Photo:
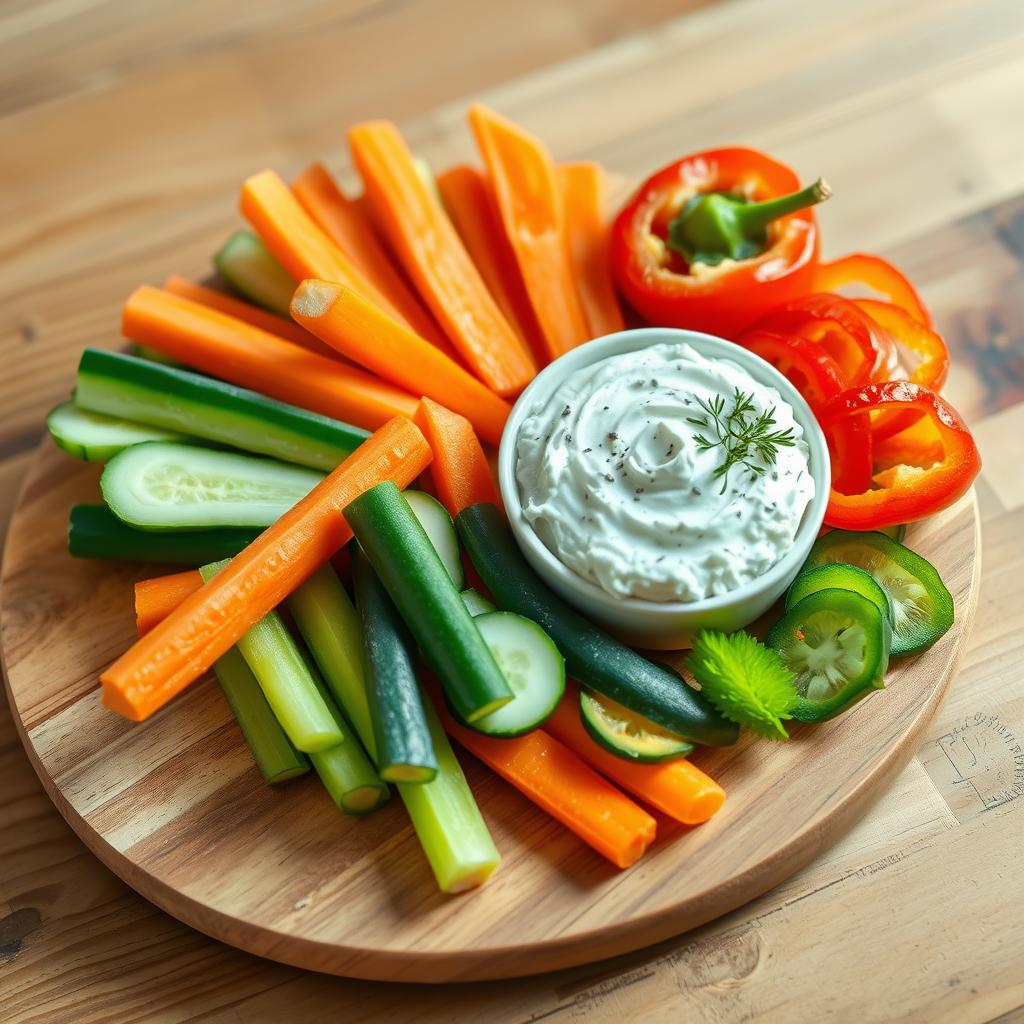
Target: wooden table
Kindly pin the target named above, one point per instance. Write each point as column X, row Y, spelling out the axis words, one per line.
column 124, row 130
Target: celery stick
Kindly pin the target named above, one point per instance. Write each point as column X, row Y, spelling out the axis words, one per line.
column 345, row 770
column 444, row 814
column 284, row 677
column 273, row 752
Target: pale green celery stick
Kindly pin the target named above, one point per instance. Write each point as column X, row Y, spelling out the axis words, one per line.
column 284, row 677
column 273, row 752
column 248, row 266
column 448, row 823
column 345, row 770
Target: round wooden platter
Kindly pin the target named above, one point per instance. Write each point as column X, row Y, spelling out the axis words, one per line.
column 175, row 807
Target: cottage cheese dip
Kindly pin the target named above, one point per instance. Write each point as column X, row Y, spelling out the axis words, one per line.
column 614, row 483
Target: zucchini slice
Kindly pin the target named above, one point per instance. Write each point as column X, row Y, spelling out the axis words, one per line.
column 96, row 437
column 628, row 735
column 438, row 526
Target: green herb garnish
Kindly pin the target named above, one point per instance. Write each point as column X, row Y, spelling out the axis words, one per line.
column 748, row 682
column 742, row 436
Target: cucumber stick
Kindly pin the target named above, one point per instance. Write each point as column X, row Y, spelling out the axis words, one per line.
column 593, row 657
column 273, row 752
column 438, row 526
column 401, row 736
column 417, row 581
column 95, row 532
column 283, row 675
column 135, row 389
column 163, row 485
column 444, row 814
column 247, row 265
column 96, row 437
column 476, row 603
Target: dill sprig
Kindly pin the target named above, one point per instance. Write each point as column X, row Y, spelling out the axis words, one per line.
column 746, row 439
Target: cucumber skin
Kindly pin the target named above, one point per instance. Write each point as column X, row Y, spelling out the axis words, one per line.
column 592, row 656
column 117, row 384
column 400, row 731
column 417, row 581
column 95, row 532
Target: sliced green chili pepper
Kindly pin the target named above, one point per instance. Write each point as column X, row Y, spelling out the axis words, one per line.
column 837, row 643
column 839, row 576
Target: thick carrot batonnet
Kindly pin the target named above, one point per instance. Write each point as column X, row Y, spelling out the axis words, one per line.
column 435, row 259
column 360, row 330
column 155, row 599
column 467, row 197
column 247, row 312
column 676, row 788
column 298, row 243
column 460, row 471
column 344, row 222
column 529, row 198
column 587, row 233
column 235, row 351
column 555, row 779
column 183, row 646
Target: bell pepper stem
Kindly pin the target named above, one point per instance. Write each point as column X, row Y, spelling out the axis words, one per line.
column 755, row 217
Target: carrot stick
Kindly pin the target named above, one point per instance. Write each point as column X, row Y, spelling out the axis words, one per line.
column 467, row 197
column 435, row 259
column 237, row 352
column 246, row 311
column 676, row 788
column 529, row 198
column 183, row 646
column 344, row 222
column 298, row 244
column 582, row 188
column 555, row 779
column 356, row 328
column 155, row 599
column 460, row 471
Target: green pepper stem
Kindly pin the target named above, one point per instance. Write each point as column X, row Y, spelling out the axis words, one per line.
column 755, row 217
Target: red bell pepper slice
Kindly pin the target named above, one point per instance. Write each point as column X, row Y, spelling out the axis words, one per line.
column 904, row 492
column 726, row 298
column 875, row 273
column 805, row 364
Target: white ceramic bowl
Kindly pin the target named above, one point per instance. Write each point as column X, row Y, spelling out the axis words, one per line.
column 663, row 625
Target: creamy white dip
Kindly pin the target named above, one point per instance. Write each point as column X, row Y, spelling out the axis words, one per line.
column 612, row 481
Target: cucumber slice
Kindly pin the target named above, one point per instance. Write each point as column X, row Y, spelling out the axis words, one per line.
column 922, row 606
column 247, row 265
column 162, row 485
column 438, row 525
column 116, row 384
column 837, row 643
column 839, row 576
column 628, row 735
column 95, row 437
column 533, row 667
column 476, row 603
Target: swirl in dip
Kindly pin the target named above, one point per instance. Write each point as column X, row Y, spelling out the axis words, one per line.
column 612, row 481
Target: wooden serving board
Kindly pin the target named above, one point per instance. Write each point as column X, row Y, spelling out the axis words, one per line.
column 175, row 807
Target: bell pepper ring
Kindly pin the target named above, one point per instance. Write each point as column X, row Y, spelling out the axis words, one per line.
column 695, row 247
column 805, row 364
column 903, row 492
column 874, row 273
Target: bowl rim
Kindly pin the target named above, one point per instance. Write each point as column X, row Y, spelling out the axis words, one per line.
column 634, row 340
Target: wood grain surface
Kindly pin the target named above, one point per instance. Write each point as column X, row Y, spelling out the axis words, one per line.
column 124, row 139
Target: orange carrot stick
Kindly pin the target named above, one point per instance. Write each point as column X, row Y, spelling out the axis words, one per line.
column 298, row 244
column 529, row 198
column 344, row 222
column 555, row 779
column 460, row 472
column 676, row 788
column 237, row 352
column 155, row 599
column 467, row 197
column 358, row 329
column 586, row 229
column 183, row 646
column 435, row 259
column 246, row 311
